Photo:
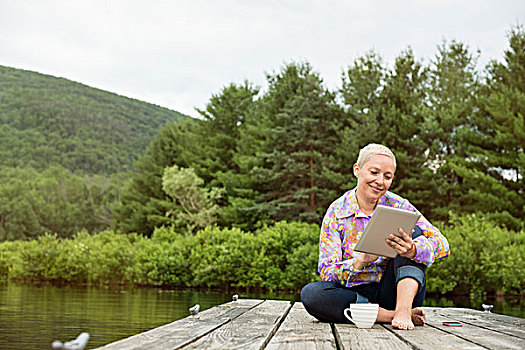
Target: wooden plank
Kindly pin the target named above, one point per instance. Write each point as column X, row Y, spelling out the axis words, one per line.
column 477, row 335
column 301, row 331
column 510, row 325
column 251, row 330
column 431, row 338
column 182, row 332
column 377, row 337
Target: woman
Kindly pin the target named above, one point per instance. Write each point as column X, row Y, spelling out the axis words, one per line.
column 398, row 285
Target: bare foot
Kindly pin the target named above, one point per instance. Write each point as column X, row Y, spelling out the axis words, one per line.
column 418, row 316
column 402, row 320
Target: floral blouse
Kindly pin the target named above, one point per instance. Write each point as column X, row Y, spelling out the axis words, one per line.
column 342, row 227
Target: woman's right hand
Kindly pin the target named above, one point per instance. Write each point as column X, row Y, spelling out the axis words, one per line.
column 364, row 259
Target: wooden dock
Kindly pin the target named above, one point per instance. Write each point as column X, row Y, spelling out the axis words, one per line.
column 275, row 324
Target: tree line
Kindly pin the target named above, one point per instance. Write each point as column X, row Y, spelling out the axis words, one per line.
column 285, row 151
column 56, row 200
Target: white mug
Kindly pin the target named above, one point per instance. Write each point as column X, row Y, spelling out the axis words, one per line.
column 363, row 315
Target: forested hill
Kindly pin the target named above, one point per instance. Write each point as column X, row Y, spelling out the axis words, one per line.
column 46, row 121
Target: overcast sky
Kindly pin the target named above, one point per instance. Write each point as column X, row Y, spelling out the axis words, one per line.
column 177, row 54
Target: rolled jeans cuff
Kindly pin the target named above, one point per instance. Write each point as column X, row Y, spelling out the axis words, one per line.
column 412, row 272
column 361, row 299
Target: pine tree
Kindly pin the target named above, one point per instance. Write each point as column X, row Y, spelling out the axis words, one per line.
column 388, row 107
column 143, row 203
column 298, row 173
column 226, row 155
column 498, row 146
column 224, row 117
column 452, row 106
column 362, row 85
column 402, row 111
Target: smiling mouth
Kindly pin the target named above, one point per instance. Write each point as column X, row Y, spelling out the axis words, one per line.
column 376, row 189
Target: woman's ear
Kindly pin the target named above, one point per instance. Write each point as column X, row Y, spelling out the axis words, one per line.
column 356, row 170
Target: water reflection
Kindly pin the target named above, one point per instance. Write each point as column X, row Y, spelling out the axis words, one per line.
column 32, row 317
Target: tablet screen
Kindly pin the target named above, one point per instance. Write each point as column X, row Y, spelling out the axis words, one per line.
column 385, row 221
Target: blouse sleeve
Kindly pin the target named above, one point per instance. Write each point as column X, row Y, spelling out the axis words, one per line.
column 432, row 245
column 331, row 266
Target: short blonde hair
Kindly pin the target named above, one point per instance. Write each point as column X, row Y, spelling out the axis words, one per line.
column 373, row 149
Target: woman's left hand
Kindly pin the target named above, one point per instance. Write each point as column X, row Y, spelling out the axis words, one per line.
column 403, row 245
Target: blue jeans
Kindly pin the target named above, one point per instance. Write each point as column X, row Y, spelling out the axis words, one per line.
column 326, row 300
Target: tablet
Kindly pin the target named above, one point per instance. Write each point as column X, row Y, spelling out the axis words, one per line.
column 385, row 221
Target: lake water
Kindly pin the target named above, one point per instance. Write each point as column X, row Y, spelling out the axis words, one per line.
column 32, row 317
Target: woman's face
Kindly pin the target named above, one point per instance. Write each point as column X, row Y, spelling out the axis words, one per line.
column 374, row 177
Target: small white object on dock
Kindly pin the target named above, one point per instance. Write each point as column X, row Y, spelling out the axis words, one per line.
column 235, row 297
column 194, row 310
column 487, row 307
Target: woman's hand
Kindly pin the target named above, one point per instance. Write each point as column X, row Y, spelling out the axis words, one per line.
column 403, row 245
column 364, row 259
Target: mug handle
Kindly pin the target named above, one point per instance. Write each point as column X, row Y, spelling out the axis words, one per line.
column 347, row 316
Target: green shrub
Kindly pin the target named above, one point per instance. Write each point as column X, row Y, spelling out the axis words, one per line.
column 11, row 260
column 221, row 257
column 163, row 260
column 5, row 259
column 111, row 258
column 75, row 259
column 280, row 246
column 38, row 259
column 484, row 258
